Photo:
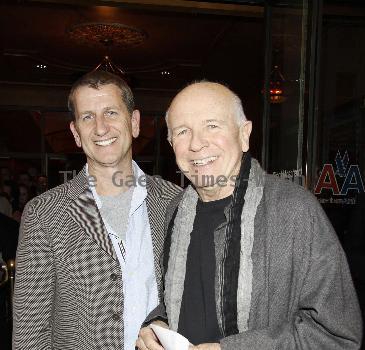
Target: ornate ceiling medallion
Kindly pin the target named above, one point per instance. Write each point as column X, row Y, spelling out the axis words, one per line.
column 107, row 35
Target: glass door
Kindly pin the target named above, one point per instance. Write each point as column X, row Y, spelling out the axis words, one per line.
column 284, row 88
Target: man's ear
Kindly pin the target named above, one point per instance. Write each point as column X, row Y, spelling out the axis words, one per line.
column 136, row 117
column 75, row 134
column 245, row 132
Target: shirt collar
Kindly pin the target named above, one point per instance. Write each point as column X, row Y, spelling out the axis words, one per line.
column 139, row 191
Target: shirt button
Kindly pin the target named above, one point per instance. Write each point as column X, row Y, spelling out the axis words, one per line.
column 113, row 277
column 116, row 317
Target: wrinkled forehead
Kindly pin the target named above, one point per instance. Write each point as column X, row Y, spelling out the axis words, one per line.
column 200, row 103
column 99, row 90
column 87, row 99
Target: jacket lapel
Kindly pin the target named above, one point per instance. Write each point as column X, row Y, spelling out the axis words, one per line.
column 180, row 241
column 155, row 207
column 84, row 212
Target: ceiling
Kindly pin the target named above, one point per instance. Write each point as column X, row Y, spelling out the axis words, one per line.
column 188, row 43
column 216, row 40
column 188, row 39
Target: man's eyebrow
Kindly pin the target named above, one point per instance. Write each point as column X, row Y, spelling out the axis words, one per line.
column 178, row 127
column 213, row 121
column 86, row 112
column 110, row 107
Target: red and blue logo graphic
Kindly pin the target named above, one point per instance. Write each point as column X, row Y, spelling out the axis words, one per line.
column 342, row 179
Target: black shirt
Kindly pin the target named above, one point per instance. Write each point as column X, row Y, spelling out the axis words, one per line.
column 198, row 317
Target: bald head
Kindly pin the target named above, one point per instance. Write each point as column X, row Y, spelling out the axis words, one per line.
column 209, row 133
column 204, row 92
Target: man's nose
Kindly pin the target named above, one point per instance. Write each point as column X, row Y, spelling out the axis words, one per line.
column 198, row 141
column 101, row 126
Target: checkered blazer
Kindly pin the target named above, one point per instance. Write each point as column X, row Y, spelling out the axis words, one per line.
column 68, row 286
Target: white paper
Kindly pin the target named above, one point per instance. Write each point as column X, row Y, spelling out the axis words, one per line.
column 169, row 339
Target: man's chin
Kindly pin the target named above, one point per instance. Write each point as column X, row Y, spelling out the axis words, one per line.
column 105, row 163
column 199, row 186
column 210, row 182
column 202, row 181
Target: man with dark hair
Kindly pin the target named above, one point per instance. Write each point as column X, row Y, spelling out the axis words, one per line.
column 251, row 261
column 87, row 261
column 97, row 79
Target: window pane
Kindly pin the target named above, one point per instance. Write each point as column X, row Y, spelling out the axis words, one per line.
column 58, row 137
column 289, row 36
column 20, row 131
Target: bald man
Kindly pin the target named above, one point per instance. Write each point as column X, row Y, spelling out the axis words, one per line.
column 251, row 261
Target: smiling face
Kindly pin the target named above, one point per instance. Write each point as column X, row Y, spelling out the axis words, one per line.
column 206, row 138
column 103, row 127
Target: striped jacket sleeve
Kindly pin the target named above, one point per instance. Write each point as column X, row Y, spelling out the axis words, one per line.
column 34, row 285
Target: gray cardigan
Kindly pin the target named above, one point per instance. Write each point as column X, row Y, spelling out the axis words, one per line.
column 294, row 287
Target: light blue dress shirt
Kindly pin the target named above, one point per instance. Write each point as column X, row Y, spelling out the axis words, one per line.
column 135, row 256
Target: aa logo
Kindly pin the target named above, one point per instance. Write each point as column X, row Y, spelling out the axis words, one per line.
column 348, row 174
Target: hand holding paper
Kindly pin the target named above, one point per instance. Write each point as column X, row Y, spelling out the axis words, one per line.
column 169, row 339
